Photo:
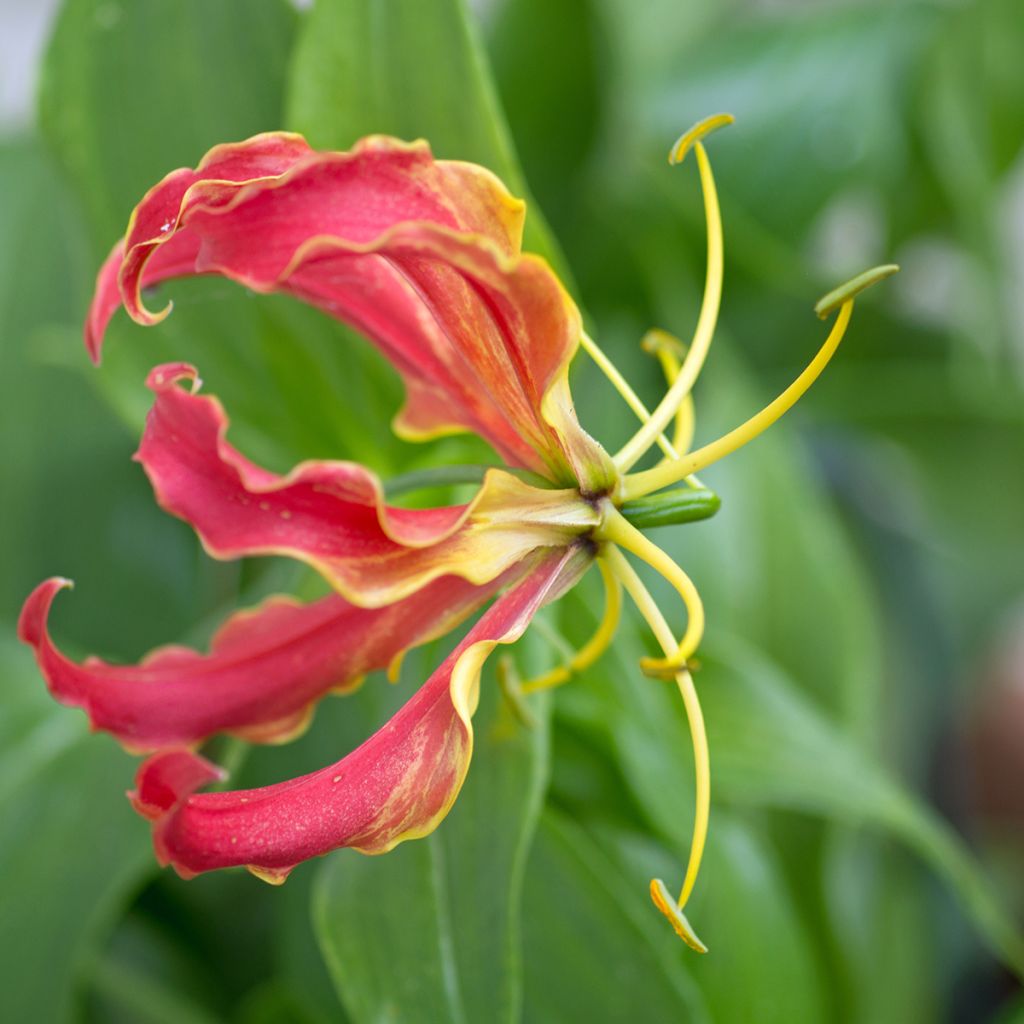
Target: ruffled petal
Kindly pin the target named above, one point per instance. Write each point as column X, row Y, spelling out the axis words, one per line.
column 420, row 255
column 331, row 515
column 152, row 250
column 397, row 785
column 266, row 669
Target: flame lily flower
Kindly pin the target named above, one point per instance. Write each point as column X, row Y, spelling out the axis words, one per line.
column 422, row 256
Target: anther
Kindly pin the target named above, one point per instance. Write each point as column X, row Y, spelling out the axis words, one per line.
column 834, row 299
column 692, row 136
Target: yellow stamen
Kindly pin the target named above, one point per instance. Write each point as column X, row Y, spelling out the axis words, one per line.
column 652, row 614
column 634, row 449
column 595, row 646
column 611, row 371
column 655, row 479
column 670, row 352
column 616, row 529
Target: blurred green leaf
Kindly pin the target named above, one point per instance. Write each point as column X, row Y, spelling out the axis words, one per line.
column 549, row 59
column 812, row 89
column 130, row 91
column 431, row 931
column 598, row 950
column 404, row 68
column 773, row 749
column 71, row 849
column 884, row 926
column 74, row 504
column 744, row 910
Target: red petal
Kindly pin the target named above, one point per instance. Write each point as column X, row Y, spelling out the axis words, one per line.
column 266, row 668
column 151, row 234
column 331, row 514
column 420, row 255
column 397, row 785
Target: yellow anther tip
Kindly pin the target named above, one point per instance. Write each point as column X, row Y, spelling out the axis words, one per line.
column 834, row 299
column 686, row 141
column 667, row 905
column 656, row 340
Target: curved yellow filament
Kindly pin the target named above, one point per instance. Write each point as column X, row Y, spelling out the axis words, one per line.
column 670, row 352
column 652, row 615
column 638, row 445
column 639, row 484
column 616, row 529
column 611, row 371
column 594, row 647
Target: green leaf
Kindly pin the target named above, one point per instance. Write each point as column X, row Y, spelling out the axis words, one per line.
column 408, row 69
column 130, row 91
column 598, row 951
column 882, row 908
column 771, row 748
column 71, row 849
column 811, row 117
column 747, row 916
column 551, row 61
column 430, row 931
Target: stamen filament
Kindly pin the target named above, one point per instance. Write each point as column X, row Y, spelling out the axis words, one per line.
column 595, row 646
column 670, row 352
column 618, row 530
column 639, row 484
column 611, row 371
column 652, row 615
column 635, row 449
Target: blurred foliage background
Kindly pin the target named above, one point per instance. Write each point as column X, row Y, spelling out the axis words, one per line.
column 864, row 675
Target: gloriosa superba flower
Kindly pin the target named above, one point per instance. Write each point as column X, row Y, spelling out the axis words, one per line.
column 423, row 257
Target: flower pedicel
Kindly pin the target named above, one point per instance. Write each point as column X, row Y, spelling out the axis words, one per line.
column 422, row 256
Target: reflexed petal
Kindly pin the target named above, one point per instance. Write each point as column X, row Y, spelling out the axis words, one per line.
column 420, row 255
column 331, row 514
column 153, row 221
column 397, row 785
column 359, row 193
column 266, row 668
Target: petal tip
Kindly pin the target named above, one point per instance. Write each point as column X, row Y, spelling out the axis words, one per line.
column 167, row 779
column 32, row 620
column 167, row 375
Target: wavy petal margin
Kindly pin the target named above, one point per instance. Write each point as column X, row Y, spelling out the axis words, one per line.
column 397, row 785
column 267, row 666
column 420, row 255
column 331, row 515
